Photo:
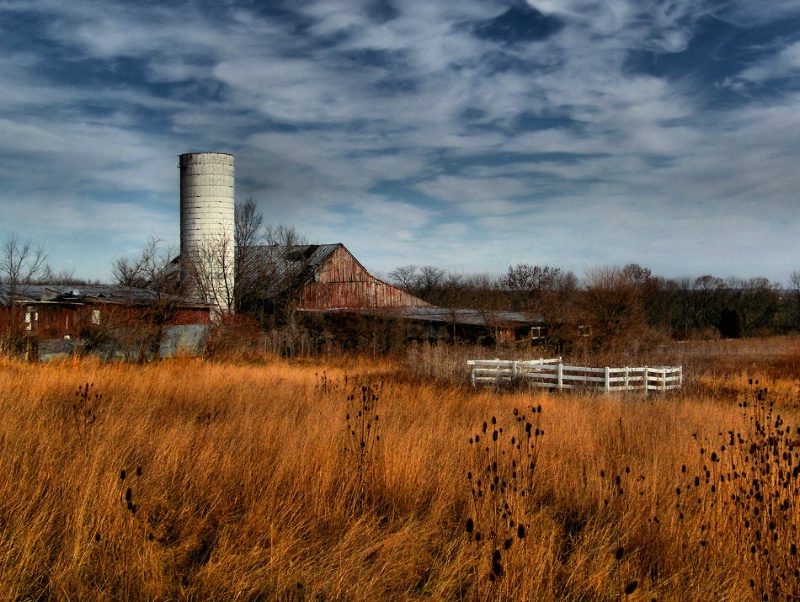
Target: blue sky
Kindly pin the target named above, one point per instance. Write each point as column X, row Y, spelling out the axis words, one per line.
column 468, row 135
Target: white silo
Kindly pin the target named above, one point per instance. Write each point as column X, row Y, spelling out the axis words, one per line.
column 207, row 227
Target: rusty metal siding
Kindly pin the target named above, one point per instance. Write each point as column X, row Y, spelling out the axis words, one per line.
column 190, row 317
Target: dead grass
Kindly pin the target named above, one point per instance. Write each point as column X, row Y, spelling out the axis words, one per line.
column 237, row 484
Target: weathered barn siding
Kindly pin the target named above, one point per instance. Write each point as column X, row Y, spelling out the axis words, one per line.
column 56, row 320
column 342, row 282
column 119, row 319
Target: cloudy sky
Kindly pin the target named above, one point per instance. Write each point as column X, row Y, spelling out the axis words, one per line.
column 469, row 134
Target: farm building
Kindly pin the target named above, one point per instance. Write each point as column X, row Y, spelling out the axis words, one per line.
column 472, row 325
column 121, row 319
column 317, row 278
column 327, row 284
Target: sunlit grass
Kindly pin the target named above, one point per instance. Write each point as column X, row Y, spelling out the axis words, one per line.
column 237, row 483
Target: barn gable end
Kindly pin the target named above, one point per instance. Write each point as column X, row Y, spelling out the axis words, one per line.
column 326, row 277
column 341, row 282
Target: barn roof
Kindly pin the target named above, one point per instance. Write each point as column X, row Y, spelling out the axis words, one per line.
column 443, row 315
column 87, row 293
column 287, row 266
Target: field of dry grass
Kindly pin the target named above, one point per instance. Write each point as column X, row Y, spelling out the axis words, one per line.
column 359, row 479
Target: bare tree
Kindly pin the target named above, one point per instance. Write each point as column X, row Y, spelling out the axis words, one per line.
column 428, row 282
column 709, row 297
column 21, row 264
column 265, row 255
column 637, row 275
column 558, row 308
column 794, row 289
column 755, row 302
column 527, row 284
column 64, row 277
column 527, row 278
column 283, row 236
column 405, row 277
column 212, row 274
column 154, row 268
column 248, row 224
column 248, row 234
column 611, row 306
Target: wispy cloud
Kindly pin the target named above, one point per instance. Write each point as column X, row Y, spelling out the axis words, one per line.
column 470, row 135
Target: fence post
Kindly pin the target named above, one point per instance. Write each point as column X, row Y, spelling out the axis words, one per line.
column 627, row 379
column 646, row 378
column 560, row 376
column 607, row 383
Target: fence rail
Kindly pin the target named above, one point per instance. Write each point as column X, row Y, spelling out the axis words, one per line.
column 553, row 374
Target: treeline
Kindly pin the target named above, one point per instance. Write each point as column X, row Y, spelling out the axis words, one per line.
column 616, row 303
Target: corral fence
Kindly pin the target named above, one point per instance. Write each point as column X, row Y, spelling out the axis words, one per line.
column 553, row 374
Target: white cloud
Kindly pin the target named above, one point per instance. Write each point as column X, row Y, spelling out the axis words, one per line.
column 322, row 117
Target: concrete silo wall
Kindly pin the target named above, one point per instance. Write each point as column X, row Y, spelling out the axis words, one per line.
column 207, row 226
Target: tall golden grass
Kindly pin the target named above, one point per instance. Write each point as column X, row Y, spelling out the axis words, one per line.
column 189, row 479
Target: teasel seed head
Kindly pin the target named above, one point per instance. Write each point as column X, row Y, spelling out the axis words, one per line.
column 497, row 567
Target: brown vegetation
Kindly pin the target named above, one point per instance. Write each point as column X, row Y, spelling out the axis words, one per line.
column 357, row 479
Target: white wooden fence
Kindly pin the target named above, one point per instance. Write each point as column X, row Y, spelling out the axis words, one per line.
column 553, row 374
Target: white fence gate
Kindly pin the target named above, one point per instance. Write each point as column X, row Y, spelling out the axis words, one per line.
column 553, row 374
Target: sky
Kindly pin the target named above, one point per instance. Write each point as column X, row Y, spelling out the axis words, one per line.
column 469, row 135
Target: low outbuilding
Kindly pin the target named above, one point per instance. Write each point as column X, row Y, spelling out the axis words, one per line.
column 115, row 320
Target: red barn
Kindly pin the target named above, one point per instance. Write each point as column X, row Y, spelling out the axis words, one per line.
column 329, row 282
column 91, row 313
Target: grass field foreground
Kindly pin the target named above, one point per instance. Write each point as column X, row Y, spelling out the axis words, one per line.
column 354, row 479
